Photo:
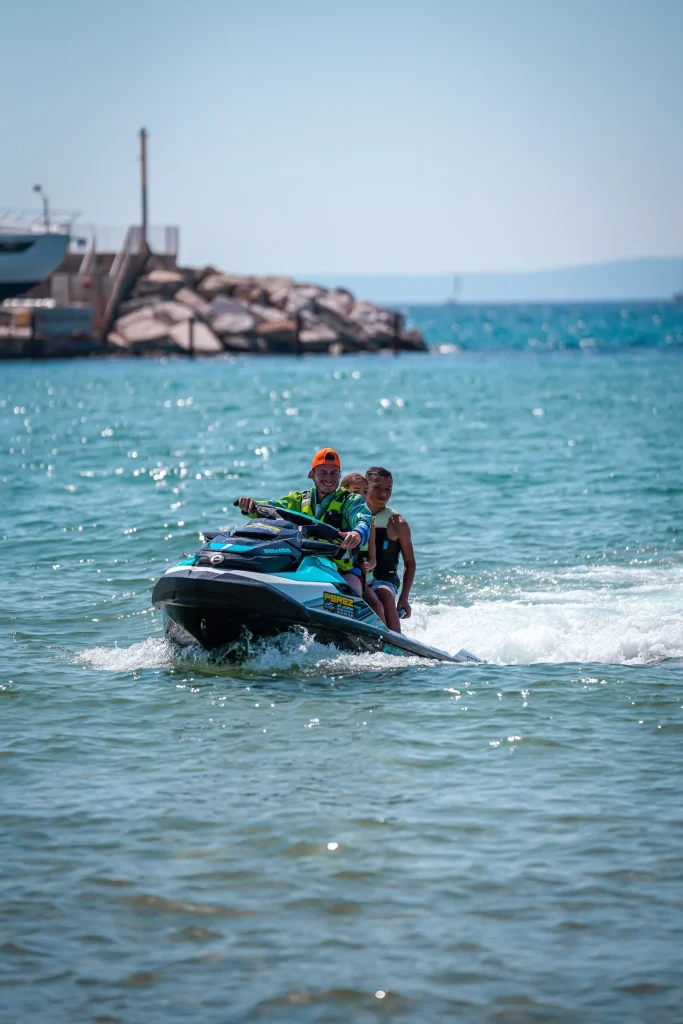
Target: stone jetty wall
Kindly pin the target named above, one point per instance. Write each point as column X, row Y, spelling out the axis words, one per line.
column 209, row 312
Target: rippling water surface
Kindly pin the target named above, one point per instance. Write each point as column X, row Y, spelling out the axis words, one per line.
column 314, row 836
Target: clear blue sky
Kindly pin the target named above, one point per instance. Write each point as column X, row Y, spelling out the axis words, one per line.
column 387, row 136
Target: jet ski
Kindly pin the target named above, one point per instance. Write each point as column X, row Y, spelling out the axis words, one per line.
column 269, row 576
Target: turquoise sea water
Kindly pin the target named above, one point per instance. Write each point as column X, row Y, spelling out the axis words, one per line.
column 540, row 328
column 315, row 836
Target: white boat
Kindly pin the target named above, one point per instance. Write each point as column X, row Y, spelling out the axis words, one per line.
column 30, row 250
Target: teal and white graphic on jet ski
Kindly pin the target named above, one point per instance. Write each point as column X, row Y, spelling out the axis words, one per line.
column 269, row 576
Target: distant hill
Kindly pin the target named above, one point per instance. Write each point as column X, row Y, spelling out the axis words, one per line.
column 622, row 280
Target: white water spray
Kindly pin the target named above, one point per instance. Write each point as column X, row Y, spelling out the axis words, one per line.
column 610, row 615
column 631, row 615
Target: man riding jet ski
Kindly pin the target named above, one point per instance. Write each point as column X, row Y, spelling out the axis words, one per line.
column 331, row 504
column 284, row 569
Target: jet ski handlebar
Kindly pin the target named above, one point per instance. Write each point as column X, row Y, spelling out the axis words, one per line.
column 329, row 546
column 308, row 525
column 321, row 547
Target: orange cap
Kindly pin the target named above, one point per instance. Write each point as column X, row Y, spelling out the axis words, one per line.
column 326, row 457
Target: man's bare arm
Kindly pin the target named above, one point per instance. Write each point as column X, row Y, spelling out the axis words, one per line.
column 371, row 562
column 405, row 542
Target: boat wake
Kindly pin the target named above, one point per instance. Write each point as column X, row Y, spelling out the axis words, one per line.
column 602, row 615
column 293, row 652
column 605, row 615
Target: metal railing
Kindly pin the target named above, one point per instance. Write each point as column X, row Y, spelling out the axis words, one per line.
column 131, row 246
column 129, row 261
column 162, row 239
column 33, row 221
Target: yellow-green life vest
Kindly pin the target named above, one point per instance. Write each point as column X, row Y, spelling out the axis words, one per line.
column 333, row 517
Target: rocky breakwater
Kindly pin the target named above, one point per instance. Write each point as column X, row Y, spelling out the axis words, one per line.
column 208, row 312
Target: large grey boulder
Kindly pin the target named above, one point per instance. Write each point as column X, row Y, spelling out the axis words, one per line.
column 195, row 336
column 197, row 274
column 249, row 290
column 337, row 301
column 145, row 313
column 318, row 334
column 302, row 296
column 269, row 314
column 140, row 326
column 369, row 317
column 218, row 284
column 277, row 290
column 172, row 312
column 162, row 283
column 142, row 302
column 163, row 276
column 221, row 305
column 233, row 323
column 230, row 317
column 279, row 335
column 353, row 337
column 194, row 302
column 314, row 334
column 144, row 331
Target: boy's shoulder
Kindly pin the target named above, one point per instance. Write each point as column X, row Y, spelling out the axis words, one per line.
column 390, row 519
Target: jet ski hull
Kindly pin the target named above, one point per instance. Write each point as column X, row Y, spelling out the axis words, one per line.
column 216, row 608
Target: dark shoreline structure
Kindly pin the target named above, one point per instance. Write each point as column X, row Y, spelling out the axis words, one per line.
column 159, row 309
column 208, row 312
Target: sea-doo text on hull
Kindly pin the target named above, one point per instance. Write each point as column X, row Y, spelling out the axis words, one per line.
column 270, row 576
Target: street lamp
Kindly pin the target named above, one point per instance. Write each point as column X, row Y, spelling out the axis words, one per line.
column 46, row 205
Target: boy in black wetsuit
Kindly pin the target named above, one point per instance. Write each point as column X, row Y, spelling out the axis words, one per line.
column 392, row 541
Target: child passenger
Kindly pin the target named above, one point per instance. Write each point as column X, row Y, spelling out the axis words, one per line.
column 365, row 557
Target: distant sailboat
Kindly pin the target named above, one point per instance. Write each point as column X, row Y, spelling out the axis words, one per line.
column 457, row 289
column 678, row 295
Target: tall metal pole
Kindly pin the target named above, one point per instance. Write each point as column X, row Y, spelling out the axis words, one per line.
column 143, row 185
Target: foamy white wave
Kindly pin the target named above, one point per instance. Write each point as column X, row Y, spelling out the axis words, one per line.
column 300, row 651
column 281, row 655
column 629, row 616
column 150, row 653
column 527, row 581
column 635, row 575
